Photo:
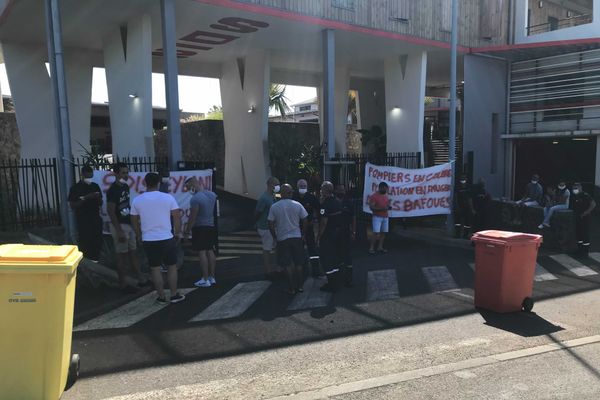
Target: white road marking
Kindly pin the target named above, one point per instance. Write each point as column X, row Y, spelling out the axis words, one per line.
column 472, row 265
column 573, row 265
column 241, row 246
column 312, row 297
column 235, row 302
column 542, row 274
column 382, row 285
column 239, row 251
column 128, row 314
column 595, row 257
column 439, row 278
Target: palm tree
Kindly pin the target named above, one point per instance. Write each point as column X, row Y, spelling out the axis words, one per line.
column 277, row 99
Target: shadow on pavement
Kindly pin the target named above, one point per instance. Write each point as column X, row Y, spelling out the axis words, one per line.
column 520, row 323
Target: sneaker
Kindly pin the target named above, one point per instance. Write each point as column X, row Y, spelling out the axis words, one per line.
column 164, row 269
column 541, row 226
column 177, row 298
column 161, row 300
column 202, row 283
column 212, row 280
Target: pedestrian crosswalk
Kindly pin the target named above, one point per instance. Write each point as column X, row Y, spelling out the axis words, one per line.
column 231, row 246
column 381, row 285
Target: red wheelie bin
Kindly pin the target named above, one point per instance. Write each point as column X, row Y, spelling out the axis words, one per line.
column 504, row 270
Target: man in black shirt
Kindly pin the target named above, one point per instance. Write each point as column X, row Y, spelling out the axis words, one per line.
column 348, row 232
column 85, row 199
column 124, row 238
column 165, row 178
column 312, row 207
column 583, row 205
column 330, row 236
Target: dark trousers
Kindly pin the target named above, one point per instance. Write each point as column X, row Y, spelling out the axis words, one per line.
column 90, row 237
column 582, row 228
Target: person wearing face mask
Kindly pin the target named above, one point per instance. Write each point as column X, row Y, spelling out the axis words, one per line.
column 330, row 237
column 261, row 214
column 533, row 193
column 165, row 177
column 85, row 199
column 380, row 204
column 583, row 205
column 311, row 204
column 119, row 210
column 463, row 208
column 561, row 202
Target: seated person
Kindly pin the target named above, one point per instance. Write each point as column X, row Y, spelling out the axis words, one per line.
column 533, row 193
column 560, row 202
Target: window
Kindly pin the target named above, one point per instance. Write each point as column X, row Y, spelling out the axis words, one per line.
column 347, row 4
column 304, row 108
column 552, row 23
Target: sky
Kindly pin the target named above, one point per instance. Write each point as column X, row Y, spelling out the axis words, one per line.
column 195, row 94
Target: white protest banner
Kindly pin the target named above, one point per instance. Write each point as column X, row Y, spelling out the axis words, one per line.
column 105, row 179
column 413, row 192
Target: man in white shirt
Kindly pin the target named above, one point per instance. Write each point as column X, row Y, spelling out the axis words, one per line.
column 151, row 216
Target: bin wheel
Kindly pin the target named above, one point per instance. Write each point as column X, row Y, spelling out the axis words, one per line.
column 73, row 372
column 528, row 304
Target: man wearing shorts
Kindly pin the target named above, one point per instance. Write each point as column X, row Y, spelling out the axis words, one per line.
column 118, row 208
column 151, row 215
column 202, row 226
column 261, row 213
column 379, row 202
column 287, row 224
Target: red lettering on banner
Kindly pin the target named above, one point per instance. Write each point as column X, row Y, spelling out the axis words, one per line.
column 178, row 181
column 420, row 190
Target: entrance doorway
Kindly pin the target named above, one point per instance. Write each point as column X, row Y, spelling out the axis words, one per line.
column 572, row 159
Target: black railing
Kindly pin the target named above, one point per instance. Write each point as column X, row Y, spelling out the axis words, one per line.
column 29, row 194
column 559, row 24
column 135, row 164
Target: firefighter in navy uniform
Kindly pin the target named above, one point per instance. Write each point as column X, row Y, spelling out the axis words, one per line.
column 312, row 207
column 583, row 205
column 463, row 208
column 348, row 233
column 330, row 237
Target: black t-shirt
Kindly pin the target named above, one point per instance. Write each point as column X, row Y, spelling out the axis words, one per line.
column 480, row 197
column 310, row 203
column 118, row 194
column 463, row 194
column 347, row 212
column 90, row 209
column 332, row 210
column 581, row 202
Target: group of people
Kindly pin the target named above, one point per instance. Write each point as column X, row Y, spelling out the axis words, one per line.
column 152, row 219
column 306, row 232
column 561, row 198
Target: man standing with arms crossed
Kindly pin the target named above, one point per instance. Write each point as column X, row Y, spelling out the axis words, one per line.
column 119, row 210
column 261, row 213
column 202, row 226
column 151, row 215
column 85, row 198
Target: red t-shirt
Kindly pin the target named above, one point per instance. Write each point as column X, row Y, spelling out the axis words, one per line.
column 380, row 201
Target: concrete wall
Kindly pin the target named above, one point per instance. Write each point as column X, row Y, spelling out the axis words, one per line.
column 405, row 78
column 485, row 94
column 576, row 32
column 10, row 141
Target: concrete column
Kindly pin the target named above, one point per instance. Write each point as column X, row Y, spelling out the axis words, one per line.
column 327, row 102
column 32, row 95
column 128, row 62
column 341, row 89
column 78, row 70
column 405, row 79
column 245, row 98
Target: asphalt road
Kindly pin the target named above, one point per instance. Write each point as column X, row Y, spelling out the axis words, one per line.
column 413, row 284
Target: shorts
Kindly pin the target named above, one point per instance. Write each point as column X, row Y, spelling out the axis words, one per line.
column 204, row 238
column 129, row 245
column 161, row 252
column 291, row 251
column 268, row 244
column 381, row 224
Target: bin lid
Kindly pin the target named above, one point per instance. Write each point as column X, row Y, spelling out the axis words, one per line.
column 506, row 237
column 48, row 259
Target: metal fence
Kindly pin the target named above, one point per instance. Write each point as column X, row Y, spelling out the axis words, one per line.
column 29, row 194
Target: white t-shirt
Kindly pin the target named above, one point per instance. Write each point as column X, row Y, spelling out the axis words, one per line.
column 154, row 209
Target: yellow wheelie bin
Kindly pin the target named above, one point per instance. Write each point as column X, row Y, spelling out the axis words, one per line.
column 37, row 292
